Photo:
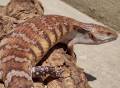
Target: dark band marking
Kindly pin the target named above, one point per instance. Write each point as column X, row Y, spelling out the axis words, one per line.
column 40, row 32
column 24, row 42
column 45, row 25
column 26, row 65
column 19, row 53
column 31, row 35
column 47, row 38
column 58, row 32
column 61, row 29
column 36, row 37
column 67, row 26
column 41, row 35
column 30, row 44
column 54, row 32
column 64, row 29
column 51, row 36
column 20, row 43
column 40, row 47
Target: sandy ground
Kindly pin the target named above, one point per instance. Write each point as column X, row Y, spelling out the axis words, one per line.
column 106, row 11
column 101, row 62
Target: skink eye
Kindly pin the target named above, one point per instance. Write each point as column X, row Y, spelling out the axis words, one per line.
column 109, row 33
column 92, row 36
column 82, row 31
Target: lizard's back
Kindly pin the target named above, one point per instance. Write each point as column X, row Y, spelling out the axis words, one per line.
column 35, row 37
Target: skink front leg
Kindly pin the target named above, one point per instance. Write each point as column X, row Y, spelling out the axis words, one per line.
column 39, row 71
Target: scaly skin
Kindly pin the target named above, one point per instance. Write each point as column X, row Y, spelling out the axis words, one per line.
column 30, row 41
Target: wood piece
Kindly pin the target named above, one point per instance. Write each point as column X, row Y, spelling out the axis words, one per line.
column 72, row 76
column 7, row 24
column 24, row 9
column 17, row 11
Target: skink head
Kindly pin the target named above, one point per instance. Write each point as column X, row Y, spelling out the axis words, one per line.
column 99, row 34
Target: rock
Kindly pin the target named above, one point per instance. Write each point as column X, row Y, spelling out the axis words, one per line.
column 18, row 11
column 6, row 25
column 72, row 76
column 24, row 9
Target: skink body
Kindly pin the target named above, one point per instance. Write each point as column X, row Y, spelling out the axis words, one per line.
column 30, row 41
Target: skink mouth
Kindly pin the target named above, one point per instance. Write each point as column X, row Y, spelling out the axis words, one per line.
column 105, row 41
column 111, row 39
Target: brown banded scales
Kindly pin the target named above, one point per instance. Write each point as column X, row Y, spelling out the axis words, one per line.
column 23, row 48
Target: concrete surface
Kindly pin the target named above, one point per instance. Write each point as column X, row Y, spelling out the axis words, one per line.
column 100, row 61
column 106, row 11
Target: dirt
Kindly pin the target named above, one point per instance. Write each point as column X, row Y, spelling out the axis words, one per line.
column 105, row 11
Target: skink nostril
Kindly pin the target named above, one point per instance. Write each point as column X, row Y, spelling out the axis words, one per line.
column 109, row 33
